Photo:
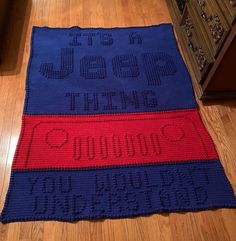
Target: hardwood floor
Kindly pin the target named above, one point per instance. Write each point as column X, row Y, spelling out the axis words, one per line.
column 219, row 117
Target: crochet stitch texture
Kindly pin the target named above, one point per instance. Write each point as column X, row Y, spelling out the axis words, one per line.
column 111, row 129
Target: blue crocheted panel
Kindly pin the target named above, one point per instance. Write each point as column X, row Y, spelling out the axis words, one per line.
column 88, row 71
column 114, row 192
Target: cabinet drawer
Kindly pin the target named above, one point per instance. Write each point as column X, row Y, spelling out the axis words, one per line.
column 229, row 9
column 198, row 54
column 215, row 25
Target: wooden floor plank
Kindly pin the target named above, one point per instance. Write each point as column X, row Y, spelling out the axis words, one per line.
column 218, row 116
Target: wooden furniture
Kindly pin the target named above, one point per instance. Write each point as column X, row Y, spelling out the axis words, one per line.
column 206, row 31
column 3, row 12
column 4, row 6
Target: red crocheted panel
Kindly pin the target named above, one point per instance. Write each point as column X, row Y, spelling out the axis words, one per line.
column 106, row 140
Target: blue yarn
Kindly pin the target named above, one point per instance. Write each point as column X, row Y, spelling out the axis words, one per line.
column 116, row 70
column 115, row 192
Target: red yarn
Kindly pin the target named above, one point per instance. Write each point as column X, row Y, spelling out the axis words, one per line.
column 105, row 140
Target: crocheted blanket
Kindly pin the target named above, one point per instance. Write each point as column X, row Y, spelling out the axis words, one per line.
column 111, row 129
